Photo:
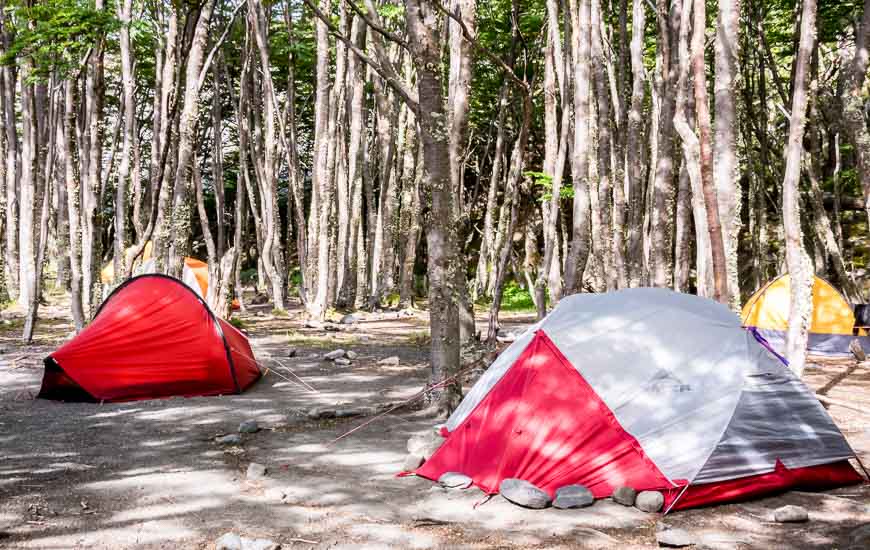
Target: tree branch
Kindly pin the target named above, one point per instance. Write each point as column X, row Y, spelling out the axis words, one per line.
column 524, row 86
column 408, row 95
column 377, row 27
column 217, row 45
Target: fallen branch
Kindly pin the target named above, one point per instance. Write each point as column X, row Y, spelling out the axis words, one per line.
column 828, row 401
column 306, row 541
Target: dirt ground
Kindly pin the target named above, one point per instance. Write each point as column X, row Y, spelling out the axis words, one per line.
column 150, row 474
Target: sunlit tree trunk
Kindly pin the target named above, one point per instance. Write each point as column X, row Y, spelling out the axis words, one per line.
column 800, row 305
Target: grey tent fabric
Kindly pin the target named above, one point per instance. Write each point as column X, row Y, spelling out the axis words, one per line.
column 700, row 395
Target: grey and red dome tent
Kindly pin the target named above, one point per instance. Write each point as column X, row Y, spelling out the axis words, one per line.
column 152, row 337
column 646, row 388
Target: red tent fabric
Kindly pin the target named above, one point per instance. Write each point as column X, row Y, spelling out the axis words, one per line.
column 530, row 428
column 153, row 337
column 542, row 422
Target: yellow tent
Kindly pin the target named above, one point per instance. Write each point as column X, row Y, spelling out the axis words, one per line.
column 832, row 319
column 107, row 274
column 194, row 273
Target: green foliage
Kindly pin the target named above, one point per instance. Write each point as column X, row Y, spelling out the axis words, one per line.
column 391, row 12
column 236, row 322
column 516, row 298
column 545, row 182
column 56, row 35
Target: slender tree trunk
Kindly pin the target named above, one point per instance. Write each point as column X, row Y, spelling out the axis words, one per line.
column 853, row 104
column 485, row 265
column 9, row 80
column 92, row 220
column 73, row 195
column 702, row 109
column 511, row 204
column 125, row 13
column 180, row 216
column 725, row 176
column 634, row 149
column 580, row 242
column 321, row 202
column 800, row 306
column 29, row 198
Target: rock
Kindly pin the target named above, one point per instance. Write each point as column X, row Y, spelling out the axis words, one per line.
column 675, row 538
column 335, row 354
column 790, row 514
column 259, row 544
column 260, row 299
column 573, row 496
column 523, row 493
column 229, row 541
column 624, row 496
column 292, row 352
column 454, row 480
column 860, row 538
column 857, row 350
column 256, row 471
column 275, row 494
column 331, row 327
column 318, row 413
column 507, row 337
column 231, row 439
column 314, row 323
column 349, row 319
column 249, row 427
column 343, row 361
column 425, row 444
column 389, row 361
column 412, row 462
column 649, row 501
column 354, row 411
column 351, row 354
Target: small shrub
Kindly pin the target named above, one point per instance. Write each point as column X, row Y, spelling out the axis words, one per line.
column 236, row 322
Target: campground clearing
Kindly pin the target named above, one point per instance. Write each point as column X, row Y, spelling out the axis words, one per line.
column 151, row 474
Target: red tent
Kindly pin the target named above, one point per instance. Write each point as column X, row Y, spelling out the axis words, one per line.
column 153, row 337
column 646, row 388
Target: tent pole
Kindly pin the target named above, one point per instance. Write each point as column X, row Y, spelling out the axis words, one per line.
column 675, row 500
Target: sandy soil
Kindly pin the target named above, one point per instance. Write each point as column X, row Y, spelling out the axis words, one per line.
column 150, row 475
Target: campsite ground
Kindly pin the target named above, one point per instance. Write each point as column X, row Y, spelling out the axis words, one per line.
column 150, row 475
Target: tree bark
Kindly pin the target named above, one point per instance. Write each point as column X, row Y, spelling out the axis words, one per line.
column 702, row 109
column 725, row 176
column 800, row 306
column 853, row 104
column 578, row 253
column 422, row 22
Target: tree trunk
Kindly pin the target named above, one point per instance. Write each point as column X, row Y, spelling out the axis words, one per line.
column 853, row 104
column 321, row 202
column 125, row 13
column 725, row 176
column 180, row 215
column 634, row 146
column 8, row 79
column 421, row 20
column 92, row 219
column 800, row 306
column 702, row 109
column 578, row 253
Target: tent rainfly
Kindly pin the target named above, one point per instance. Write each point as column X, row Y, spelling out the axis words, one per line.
column 646, row 388
column 152, row 337
column 194, row 273
column 832, row 324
